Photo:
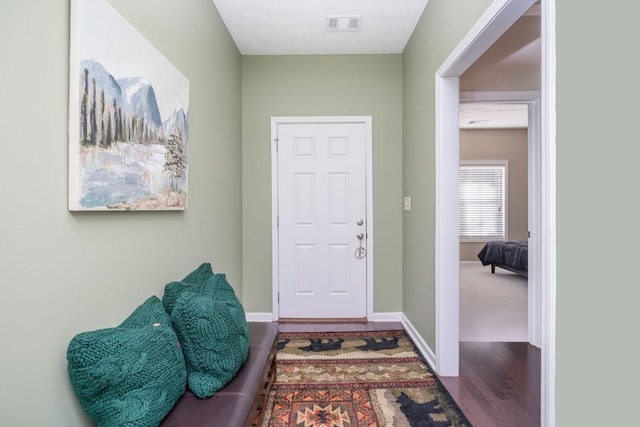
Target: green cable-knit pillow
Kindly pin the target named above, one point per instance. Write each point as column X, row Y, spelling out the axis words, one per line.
column 212, row 341
column 196, row 281
column 130, row 375
column 200, row 274
column 204, row 282
column 212, row 328
column 148, row 313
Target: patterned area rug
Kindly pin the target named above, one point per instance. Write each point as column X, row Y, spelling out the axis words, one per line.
column 356, row 379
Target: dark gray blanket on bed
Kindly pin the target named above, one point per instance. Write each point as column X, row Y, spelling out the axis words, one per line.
column 512, row 254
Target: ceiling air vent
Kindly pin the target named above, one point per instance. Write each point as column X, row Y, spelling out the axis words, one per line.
column 343, row 23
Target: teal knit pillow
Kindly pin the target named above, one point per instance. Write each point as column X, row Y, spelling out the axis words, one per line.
column 200, row 274
column 130, row 375
column 212, row 330
column 212, row 341
column 203, row 281
column 148, row 313
column 196, row 281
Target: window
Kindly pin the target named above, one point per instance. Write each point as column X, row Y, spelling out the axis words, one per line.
column 482, row 191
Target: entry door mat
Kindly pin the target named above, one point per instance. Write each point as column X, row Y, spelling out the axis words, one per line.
column 356, row 379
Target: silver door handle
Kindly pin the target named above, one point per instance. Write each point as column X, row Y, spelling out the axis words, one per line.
column 360, row 222
column 360, row 236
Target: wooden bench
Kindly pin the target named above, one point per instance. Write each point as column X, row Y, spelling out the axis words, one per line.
column 241, row 402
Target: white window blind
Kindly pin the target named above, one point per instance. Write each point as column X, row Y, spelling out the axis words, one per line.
column 482, row 191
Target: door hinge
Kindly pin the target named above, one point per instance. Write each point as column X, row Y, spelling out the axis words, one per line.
column 277, row 141
column 278, row 221
column 278, row 297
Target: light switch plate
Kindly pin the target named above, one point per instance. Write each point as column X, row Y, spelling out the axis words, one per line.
column 407, row 203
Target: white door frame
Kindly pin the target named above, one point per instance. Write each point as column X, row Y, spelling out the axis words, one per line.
column 500, row 15
column 532, row 100
column 275, row 121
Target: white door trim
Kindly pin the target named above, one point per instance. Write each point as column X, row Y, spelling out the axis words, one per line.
column 532, row 99
column 275, row 121
column 497, row 19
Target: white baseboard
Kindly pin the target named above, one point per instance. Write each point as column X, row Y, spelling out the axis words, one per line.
column 259, row 317
column 377, row 317
column 422, row 345
column 387, row 317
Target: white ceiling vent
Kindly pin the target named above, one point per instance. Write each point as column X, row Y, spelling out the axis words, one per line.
column 343, row 23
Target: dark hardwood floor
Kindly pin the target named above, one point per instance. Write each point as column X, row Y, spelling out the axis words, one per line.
column 499, row 383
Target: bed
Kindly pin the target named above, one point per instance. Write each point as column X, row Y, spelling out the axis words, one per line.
column 509, row 255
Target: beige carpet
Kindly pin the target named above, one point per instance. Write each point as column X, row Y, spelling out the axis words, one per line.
column 493, row 307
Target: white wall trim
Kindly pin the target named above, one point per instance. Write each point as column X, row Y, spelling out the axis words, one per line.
column 548, row 208
column 534, row 297
column 367, row 121
column 259, row 317
column 499, row 17
column 421, row 344
column 388, row 317
column 447, row 251
column 275, row 242
column 376, row 317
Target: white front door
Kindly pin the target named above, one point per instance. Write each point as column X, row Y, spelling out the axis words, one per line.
column 321, row 215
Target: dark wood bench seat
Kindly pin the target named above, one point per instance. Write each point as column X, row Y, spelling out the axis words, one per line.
column 240, row 402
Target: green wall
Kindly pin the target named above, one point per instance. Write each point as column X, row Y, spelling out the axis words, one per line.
column 346, row 85
column 64, row 273
column 597, row 214
column 428, row 48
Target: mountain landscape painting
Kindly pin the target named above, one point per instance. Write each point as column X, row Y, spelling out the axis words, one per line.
column 128, row 117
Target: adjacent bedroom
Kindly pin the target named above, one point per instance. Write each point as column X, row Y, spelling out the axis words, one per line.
column 496, row 139
column 493, row 223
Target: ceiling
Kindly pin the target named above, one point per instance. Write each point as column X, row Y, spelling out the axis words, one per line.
column 299, row 27
column 485, row 115
column 302, row 27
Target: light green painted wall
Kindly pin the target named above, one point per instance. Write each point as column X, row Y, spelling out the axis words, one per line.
column 65, row 273
column 349, row 85
column 427, row 49
column 597, row 213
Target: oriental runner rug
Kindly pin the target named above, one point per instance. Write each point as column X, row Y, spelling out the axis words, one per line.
column 356, row 379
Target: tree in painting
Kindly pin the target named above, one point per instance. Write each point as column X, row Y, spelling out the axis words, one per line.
column 84, row 84
column 175, row 162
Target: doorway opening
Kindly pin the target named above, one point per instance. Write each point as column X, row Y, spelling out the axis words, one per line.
column 526, row 225
column 496, row 20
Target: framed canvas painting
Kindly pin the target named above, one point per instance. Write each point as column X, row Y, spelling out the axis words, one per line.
column 128, row 117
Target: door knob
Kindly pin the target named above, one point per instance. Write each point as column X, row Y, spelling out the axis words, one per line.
column 360, row 236
column 360, row 222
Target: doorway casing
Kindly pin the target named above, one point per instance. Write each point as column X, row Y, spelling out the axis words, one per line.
column 532, row 100
column 500, row 15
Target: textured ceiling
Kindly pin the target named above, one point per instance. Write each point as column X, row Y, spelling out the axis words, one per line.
column 485, row 115
column 299, row 27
